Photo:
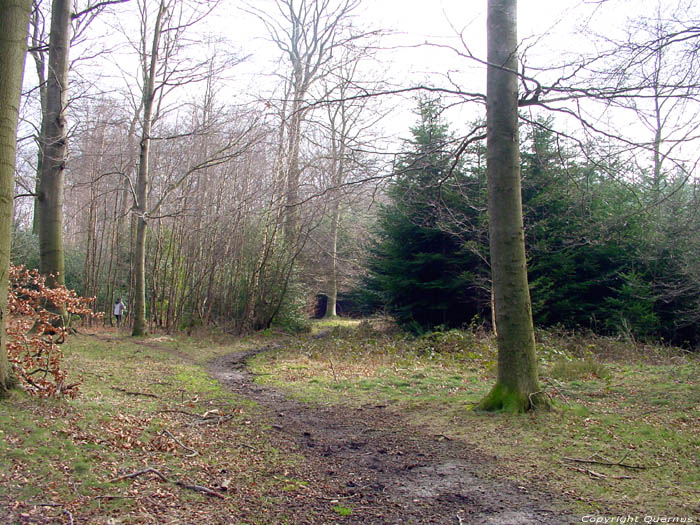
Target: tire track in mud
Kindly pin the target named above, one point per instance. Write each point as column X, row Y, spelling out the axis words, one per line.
column 384, row 470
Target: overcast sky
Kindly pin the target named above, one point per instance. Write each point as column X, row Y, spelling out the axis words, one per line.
column 551, row 26
column 410, row 24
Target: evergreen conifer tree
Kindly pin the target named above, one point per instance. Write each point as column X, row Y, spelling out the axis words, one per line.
column 419, row 271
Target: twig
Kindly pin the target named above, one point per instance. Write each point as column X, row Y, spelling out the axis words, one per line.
column 214, row 420
column 335, row 377
column 210, row 416
column 139, row 473
column 63, row 509
column 594, row 474
column 608, row 463
column 177, row 411
column 132, row 393
column 193, row 451
column 198, row 488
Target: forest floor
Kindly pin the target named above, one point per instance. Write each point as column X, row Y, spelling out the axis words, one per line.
column 351, row 424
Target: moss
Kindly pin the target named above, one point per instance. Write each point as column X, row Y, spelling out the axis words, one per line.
column 505, row 399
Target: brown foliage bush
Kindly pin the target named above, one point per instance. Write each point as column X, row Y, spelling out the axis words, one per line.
column 35, row 328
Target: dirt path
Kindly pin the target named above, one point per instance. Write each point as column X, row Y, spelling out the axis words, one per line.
column 368, row 460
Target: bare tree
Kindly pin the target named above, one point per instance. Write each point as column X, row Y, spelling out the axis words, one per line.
column 52, row 72
column 164, row 68
column 308, row 33
column 349, row 124
column 516, row 387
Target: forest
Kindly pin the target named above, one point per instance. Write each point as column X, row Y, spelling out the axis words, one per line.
column 490, row 188
column 199, row 208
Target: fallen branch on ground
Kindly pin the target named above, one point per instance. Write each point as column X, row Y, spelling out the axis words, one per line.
column 606, row 462
column 133, row 393
column 192, row 451
column 210, row 416
column 197, row 488
column 598, row 475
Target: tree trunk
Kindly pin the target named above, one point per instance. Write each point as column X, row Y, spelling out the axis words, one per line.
column 39, row 55
column 293, row 172
column 338, row 167
column 54, row 144
column 332, row 305
column 13, row 43
column 140, row 207
column 516, row 387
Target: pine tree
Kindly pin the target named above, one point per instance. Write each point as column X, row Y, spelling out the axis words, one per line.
column 422, row 273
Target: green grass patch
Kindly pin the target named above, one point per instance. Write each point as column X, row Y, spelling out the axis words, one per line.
column 574, row 369
column 342, row 510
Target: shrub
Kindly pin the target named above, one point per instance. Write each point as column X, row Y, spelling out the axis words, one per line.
column 39, row 320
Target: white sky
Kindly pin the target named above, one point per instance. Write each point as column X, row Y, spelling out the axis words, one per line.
column 411, row 23
column 550, row 24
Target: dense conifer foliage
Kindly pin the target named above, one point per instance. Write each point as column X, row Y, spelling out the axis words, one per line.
column 603, row 253
column 422, row 270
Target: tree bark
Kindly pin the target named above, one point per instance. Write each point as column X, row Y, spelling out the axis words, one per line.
column 332, row 305
column 39, row 54
column 140, row 207
column 338, row 170
column 13, row 44
column 54, row 145
column 516, row 387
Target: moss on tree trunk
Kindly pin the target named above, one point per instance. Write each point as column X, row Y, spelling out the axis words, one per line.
column 516, row 388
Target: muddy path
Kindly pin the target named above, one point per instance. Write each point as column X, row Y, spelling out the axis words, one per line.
column 368, row 460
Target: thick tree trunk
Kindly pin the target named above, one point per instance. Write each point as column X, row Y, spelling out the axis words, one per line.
column 140, row 279
column 516, row 387
column 139, row 309
column 13, row 43
column 54, row 144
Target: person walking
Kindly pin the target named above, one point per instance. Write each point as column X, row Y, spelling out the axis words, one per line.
column 119, row 309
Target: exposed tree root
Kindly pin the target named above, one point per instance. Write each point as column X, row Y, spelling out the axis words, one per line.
column 7, row 386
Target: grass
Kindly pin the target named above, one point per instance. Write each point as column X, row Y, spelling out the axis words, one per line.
column 616, row 403
column 65, row 452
